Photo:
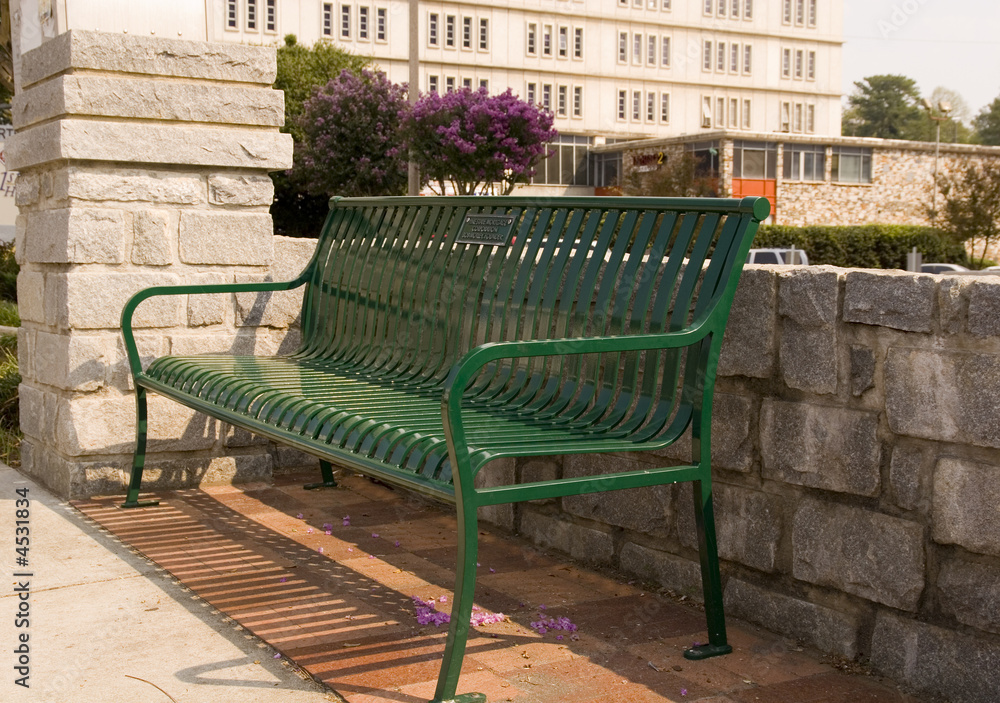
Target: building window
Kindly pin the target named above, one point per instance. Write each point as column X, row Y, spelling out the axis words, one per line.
column 665, row 108
column 708, row 6
column 327, row 19
column 466, row 32
column 786, row 117
column 449, row 30
column 706, row 111
column 665, row 52
column 432, row 84
column 851, row 164
column 706, row 64
column 636, row 48
column 811, row 66
column 797, row 121
column 734, row 112
column 621, row 104
column 706, row 156
column 755, row 159
column 345, row 21
column 577, row 101
column 568, row 165
column 252, row 15
column 786, row 11
column 650, row 106
column 798, row 64
column 666, row 5
column 734, row 10
column 748, row 10
column 651, row 49
column 800, row 11
column 432, row 29
column 484, row 34
column 547, row 96
column 449, row 84
column 622, row 47
column 812, row 13
column 786, row 63
column 362, row 23
column 811, row 119
column 563, row 42
column 734, row 58
column 531, row 93
column 467, row 83
column 578, row 43
column 720, row 62
column 547, row 40
column 381, row 18
column 484, row 84
column 636, row 105
column 720, row 112
column 271, row 18
column 804, row 162
column 722, row 8
column 532, row 44
column 746, row 114
column 562, row 97
column 747, row 59
column 232, row 18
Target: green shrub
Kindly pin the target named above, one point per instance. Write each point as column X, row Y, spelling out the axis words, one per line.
column 8, row 272
column 864, row 246
column 10, row 433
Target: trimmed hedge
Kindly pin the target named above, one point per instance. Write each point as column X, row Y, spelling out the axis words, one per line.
column 864, row 246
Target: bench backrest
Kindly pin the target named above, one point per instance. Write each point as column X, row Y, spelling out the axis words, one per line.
column 403, row 287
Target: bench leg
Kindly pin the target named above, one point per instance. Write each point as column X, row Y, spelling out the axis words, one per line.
column 327, row 472
column 139, row 458
column 458, row 631
column 711, row 579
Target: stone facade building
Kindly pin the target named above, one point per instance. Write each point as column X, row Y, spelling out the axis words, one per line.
column 814, row 180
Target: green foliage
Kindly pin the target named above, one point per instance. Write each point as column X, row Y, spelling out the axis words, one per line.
column 301, row 70
column 887, row 107
column 677, row 178
column 987, row 124
column 8, row 314
column 10, row 433
column 8, row 272
column 864, row 246
column 971, row 211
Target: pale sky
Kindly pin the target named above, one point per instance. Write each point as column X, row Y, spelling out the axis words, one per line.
column 949, row 43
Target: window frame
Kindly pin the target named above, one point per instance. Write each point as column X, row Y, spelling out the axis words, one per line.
column 326, row 19
column 577, row 101
column 345, row 21
column 467, row 32
column 450, row 31
column 381, row 25
column 271, row 16
column 364, row 22
column 433, row 29
column 864, row 154
column 484, row 34
column 233, row 15
column 747, row 59
column 531, row 39
column 577, row 42
column 665, row 108
column 665, row 51
column 251, row 16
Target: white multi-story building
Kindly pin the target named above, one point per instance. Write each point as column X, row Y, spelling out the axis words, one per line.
column 608, row 69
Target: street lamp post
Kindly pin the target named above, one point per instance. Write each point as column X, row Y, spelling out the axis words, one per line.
column 944, row 108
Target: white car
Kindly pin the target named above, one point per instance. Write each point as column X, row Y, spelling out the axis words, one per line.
column 942, row 268
column 777, row 255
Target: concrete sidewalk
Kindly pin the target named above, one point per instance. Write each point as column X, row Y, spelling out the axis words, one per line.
column 106, row 625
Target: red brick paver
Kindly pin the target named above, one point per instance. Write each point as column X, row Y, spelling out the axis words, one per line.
column 340, row 604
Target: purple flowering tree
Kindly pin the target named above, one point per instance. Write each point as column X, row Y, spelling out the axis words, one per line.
column 475, row 141
column 350, row 140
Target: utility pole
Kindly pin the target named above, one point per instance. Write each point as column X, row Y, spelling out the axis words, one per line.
column 413, row 182
column 944, row 108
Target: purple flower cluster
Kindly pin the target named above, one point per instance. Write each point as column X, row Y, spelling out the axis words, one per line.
column 350, row 131
column 472, row 139
column 427, row 614
column 545, row 623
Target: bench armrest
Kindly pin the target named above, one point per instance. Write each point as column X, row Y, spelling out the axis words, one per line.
column 207, row 289
column 469, row 365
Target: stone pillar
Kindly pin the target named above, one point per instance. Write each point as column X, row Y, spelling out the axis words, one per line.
column 143, row 161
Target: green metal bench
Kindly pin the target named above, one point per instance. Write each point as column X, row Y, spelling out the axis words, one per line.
column 441, row 333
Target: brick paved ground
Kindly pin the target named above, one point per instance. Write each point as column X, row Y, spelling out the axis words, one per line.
column 340, row 604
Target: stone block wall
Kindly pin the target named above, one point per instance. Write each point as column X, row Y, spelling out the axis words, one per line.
column 143, row 161
column 857, row 475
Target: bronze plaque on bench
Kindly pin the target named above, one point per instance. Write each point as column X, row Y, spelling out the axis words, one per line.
column 491, row 230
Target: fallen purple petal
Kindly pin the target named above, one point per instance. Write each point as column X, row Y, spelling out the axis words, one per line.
column 299, row 516
column 684, row 691
column 397, row 542
column 278, row 655
column 347, row 521
column 320, row 550
column 374, row 535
